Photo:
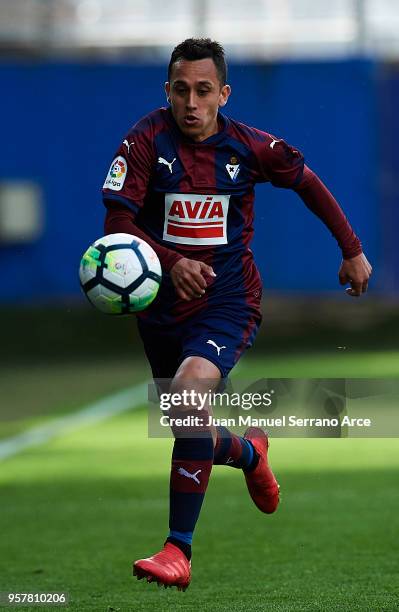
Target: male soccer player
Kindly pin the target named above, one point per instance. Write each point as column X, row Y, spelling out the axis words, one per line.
column 183, row 180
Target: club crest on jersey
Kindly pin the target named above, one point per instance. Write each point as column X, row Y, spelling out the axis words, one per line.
column 196, row 218
column 233, row 168
column 116, row 175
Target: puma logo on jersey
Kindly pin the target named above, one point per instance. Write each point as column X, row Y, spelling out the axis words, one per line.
column 196, row 218
column 229, row 460
column 184, row 472
column 271, row 145
column 161, row 160
column 218, row 348
column 128, row 145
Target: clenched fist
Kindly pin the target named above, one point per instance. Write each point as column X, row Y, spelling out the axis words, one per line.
column 357, row 272
column 189, row 278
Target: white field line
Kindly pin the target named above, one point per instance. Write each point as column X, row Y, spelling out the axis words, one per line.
column 103, row 409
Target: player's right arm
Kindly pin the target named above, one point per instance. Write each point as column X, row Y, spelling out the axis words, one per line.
column 124, row 192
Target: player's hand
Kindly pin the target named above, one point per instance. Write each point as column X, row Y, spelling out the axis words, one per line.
column 188, row 278
column 357, row 272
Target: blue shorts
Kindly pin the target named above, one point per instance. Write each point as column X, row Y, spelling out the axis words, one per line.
column 219, row 335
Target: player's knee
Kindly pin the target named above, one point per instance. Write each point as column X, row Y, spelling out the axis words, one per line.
column 195, row 374
column 197, row 370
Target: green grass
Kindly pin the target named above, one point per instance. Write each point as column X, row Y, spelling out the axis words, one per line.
column 76, row 511
column 35, row 393
column 31, row 394
column 337, row 364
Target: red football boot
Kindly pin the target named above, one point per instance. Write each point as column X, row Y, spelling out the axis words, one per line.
column 261, row 483
column 169, row 567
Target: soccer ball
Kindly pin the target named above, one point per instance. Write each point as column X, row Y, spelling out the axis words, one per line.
column 120, row 274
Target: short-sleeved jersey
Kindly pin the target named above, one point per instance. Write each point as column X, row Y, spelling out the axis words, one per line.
column 198, row 199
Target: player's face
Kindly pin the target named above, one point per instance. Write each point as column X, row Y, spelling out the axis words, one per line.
column 195, row 94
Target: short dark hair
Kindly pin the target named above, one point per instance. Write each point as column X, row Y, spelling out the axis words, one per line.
column 193, row 49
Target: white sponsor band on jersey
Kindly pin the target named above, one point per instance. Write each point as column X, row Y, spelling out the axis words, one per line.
column 196, row 218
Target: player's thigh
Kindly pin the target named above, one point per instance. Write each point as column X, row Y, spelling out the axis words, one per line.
column 163, row 349
column 221, row 337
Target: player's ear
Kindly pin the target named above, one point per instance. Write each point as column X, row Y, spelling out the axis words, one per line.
column 224, row 95
column 167, row 90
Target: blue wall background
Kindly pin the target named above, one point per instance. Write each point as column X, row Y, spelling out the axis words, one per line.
column 62, row 123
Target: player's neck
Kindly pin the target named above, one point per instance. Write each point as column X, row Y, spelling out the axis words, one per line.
column 211, row 131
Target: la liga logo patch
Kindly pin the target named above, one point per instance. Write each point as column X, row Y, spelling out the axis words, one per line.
column 118, row 169
column 117, row 174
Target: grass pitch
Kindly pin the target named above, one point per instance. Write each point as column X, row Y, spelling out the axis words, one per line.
column 76, row 511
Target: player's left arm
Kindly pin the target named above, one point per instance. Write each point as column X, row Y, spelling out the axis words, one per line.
column 283, row 165
column 355, row 269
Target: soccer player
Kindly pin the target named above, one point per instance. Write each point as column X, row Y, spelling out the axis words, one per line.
column 183, row 180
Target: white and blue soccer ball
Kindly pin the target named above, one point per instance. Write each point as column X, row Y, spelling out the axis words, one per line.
column 120, row 274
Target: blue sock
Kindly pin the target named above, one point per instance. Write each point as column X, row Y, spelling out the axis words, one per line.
column 183, row 536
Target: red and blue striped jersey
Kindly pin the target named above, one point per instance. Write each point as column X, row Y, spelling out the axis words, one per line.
column 196, row 200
